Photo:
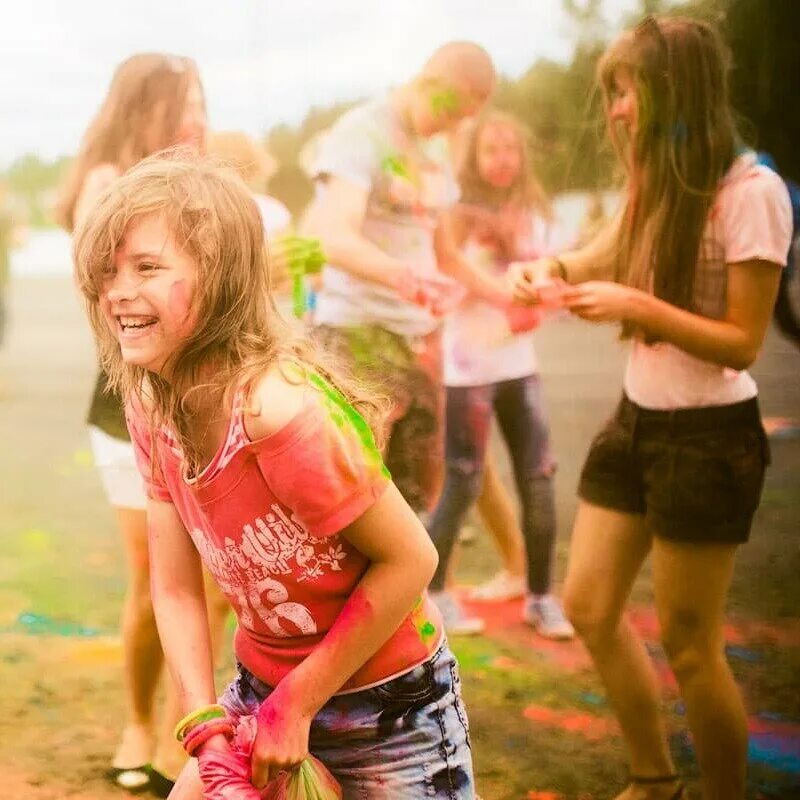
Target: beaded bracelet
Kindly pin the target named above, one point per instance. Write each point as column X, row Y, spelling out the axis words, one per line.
column 201, row 733
column 198, row 716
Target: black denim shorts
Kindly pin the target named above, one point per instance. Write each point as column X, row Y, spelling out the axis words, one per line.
column 696, row 474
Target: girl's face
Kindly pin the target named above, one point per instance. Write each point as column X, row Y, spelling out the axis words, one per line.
column 624, row 105
column 192, row 128
column 498, row 155
column 146, row 295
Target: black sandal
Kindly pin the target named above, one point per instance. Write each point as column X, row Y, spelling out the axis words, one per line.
column 159, row 785
column 645, row 780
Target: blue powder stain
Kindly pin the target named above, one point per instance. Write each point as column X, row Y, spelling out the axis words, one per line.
column 782, row 753
column 41, row 625
column 773, row 716
column 743, row 654
column 592, row 699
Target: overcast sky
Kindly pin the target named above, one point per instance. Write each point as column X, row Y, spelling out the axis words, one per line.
column 261, row 61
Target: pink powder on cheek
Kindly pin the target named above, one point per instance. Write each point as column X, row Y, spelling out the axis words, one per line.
column 179, row 302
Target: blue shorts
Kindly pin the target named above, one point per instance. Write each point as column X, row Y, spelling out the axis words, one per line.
column 406, row 738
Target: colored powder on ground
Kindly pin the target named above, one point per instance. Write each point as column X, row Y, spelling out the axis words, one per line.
column 778, row 752
column 40, row 624
column 742, row 654
column 590, row 727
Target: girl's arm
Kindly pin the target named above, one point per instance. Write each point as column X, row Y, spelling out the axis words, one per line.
column 593, row 261
column 176, row 584
column 402, row 562
column 732, row 342
column 452, row 262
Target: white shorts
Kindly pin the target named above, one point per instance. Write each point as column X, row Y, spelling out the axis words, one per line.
column 118, row 471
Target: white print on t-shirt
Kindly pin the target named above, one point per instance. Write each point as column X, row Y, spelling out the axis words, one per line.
column 274, row 544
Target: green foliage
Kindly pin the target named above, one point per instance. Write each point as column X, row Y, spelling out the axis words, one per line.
column 33, row 183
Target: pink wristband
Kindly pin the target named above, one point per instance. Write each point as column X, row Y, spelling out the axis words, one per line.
column 201, row 733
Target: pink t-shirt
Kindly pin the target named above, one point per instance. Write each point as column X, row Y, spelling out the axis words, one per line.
column 266, row 521
column 751, row 219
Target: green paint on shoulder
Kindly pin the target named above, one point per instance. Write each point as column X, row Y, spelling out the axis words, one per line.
column 342, row 414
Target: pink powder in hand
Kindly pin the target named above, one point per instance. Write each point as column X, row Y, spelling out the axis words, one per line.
column 551, row 294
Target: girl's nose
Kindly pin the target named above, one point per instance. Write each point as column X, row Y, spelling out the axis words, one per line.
column 123, row 287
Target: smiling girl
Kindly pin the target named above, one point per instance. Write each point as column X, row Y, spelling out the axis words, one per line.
column 257, row 462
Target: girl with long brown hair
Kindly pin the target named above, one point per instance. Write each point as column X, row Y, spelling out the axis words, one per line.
column 155, row 100
column 690, row 268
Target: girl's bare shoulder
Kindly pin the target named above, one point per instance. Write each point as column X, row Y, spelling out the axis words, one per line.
column 276, row 397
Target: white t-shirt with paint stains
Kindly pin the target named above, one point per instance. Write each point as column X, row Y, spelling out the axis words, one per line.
column 410, row 183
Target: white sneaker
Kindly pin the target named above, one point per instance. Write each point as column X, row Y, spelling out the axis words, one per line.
column 456, row 622
column 503, row 586
column 544, row 613
column 467, row 534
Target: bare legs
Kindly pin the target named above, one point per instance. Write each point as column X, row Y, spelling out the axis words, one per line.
column 691, row 581
column 141, row 649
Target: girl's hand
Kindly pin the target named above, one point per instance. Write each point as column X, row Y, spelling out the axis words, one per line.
column 281, row 741
column 601, row 301
column 525, row 278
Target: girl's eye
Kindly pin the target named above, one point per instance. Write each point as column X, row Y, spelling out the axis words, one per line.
column 146, row 266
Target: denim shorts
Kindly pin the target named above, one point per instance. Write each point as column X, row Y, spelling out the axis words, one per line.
column 696, row 474
column 406, row 738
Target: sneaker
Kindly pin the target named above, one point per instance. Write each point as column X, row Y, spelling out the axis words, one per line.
column 503, row 586
column 456, row 622
column 544, row 613
column 467, row 534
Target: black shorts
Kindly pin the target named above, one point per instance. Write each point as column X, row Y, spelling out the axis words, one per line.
column 695, row 474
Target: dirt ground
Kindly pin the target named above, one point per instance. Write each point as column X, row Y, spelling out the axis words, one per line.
column 541, row 727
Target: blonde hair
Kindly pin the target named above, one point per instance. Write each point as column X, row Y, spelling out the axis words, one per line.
column 684, row 143
column 250, row 160
column 140, row 115
column 238, row 334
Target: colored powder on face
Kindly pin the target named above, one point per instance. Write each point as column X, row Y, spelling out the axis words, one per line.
column 341, row 413
column 179, row 303
column 445, row 102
